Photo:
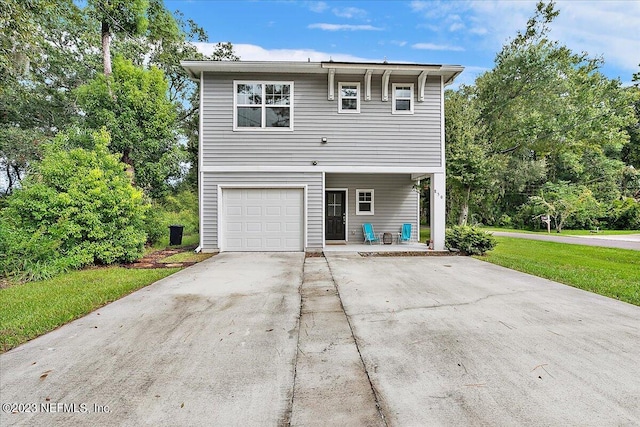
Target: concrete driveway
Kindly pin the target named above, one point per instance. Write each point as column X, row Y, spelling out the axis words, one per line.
column 274, row 339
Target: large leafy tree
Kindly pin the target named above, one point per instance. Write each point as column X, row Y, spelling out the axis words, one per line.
column 37, row 41
column 631, row 151
column 132, row 104
column 564, row 202
column 543, row 114
column 544, row 98
column 468, row 164
column 124, row 17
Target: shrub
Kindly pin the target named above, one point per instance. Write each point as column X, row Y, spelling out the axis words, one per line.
column 179, row 208
column 469, row 240
column 77, row 208
column 505, row 221
column 624, row 214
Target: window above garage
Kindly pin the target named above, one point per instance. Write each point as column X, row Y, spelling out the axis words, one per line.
column 262, row 105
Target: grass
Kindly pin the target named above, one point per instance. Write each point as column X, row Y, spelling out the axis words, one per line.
column 605, row 271
column 188, row 256
column 35, row 308
column 163, row 243
column 564, row 232
column 425, row 234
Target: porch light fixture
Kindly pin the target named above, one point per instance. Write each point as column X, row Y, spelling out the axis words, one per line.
column 323, row 140
column 314, row 163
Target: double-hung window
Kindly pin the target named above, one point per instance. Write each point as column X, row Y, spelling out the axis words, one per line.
column 349, row 98
column 263, row 105
column 364, row 202
column 402, row 94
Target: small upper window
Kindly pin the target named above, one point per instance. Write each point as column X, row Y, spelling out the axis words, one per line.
column 402, row 98
column 349, row 98
column 364, row 202
column 263, row 105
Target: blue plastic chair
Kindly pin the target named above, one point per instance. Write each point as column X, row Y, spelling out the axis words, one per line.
column 405, row 235
column 369, row 235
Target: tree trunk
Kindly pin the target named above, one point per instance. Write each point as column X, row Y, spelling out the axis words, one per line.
column 464, row 211
column 106, row 48
column 126, row 159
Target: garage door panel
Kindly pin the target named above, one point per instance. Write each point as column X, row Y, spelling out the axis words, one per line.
column 274, row 227
column 234, row 210
column 234, row 226
column 262, row 219
column 273, row 211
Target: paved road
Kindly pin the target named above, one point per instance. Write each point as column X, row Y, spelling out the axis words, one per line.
column 274, row 339
column 626, row 241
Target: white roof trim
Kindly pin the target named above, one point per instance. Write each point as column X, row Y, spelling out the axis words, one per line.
column 194, row 68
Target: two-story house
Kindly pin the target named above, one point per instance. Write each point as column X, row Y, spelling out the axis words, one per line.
column 296, row 155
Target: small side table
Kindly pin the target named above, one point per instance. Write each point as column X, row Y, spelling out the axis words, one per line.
column 387, row 238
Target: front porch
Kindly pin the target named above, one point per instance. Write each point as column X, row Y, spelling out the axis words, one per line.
column 384, row 203
column 365, row 247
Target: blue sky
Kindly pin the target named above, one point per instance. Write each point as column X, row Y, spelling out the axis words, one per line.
column 467, row 33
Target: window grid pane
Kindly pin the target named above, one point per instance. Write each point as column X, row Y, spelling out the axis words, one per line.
column 277, row 117
column 257, row 100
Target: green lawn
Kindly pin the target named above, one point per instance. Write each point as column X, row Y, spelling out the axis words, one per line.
column 425, row 234
column 188, row 256
column 35, row 308
column 606, row 271
column 163, row 243
column 564, row 232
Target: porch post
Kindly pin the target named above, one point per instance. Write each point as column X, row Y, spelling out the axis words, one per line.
column 437, row 215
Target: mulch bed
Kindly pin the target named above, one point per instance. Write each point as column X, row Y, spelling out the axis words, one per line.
column 153, row 259
column 313, row 254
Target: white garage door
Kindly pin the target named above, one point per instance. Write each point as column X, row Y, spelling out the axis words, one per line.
column 262, row 219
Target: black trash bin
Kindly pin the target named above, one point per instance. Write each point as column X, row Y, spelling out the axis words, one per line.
column 175, row 234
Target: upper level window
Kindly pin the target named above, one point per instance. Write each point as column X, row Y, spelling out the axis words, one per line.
column 263, row 105
column 364, row 202
column 402, row 98
column 349, row 97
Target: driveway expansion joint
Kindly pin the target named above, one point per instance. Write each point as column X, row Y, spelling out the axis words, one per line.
column 375, row 392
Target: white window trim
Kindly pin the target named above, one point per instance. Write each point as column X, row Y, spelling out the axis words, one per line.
column 263, row 128
column 393, row 98
column 358, row 191
column 357, row 85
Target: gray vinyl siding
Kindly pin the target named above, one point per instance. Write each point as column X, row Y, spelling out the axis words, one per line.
column 395, row 202
column 374, row 137
column 211, row 180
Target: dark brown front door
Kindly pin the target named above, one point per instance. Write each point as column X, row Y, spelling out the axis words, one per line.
column 335, row 211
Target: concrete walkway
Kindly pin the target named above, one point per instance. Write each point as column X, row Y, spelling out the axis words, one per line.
column 623, row 241
column 277, row 340
column 332, row 387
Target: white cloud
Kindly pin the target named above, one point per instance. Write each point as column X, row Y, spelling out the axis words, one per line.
column 349, row 12
column 318, row 6
column 433, row 46
column 343, row 27
column 480, row 31
column 607, row 28
column 400, row 43
column 250, row 52
column 418, row 6
column 457, row 26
